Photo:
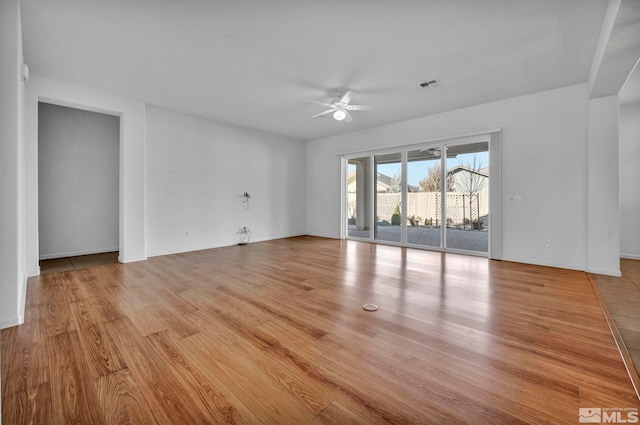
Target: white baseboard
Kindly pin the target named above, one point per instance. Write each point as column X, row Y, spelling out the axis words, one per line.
column 318, row 235
column 77, row 253
column 23, row 299
column 223, row 245
column 607, row 272
column 131, row 260
column 545, row 263
column 188, row 249
column 19, row 319
column 630, row 256
column 9, row 323
column 34, row 270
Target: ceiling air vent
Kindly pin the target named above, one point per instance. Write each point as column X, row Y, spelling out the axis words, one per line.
column 431, row 83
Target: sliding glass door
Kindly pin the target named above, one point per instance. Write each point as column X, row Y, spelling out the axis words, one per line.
column 434, row 196
column 467, row 200
column 388, row 195
column 358, row 208
column 424, row 197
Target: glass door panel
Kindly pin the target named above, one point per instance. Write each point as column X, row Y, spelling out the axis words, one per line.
column 467, row 197
column 359, row 197
column 388, row 196
column 424, row 224
column 434, row 197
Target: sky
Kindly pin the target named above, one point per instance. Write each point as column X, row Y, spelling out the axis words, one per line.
column 417, row 170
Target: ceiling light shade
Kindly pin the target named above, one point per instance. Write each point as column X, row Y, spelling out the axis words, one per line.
column 339, row 115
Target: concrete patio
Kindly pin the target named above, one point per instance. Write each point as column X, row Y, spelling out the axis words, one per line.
column 470, row 240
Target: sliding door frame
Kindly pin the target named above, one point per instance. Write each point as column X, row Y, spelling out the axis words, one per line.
column 493, row 138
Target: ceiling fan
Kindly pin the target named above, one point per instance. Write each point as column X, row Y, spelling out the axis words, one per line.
column 437, row 152
column 432, row 151
column 340, row 107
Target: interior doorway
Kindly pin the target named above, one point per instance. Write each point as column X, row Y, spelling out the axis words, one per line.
column 78, row 182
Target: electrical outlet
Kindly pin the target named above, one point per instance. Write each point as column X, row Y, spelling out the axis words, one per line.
column 547, row 243
column 187, row 233
column 516, row 199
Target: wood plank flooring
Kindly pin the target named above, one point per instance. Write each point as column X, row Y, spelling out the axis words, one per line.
column 274, row 332
column 622, row 296
column 78, row 262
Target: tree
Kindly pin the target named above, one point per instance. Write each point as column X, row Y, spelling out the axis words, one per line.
column 396, row 183
column 431, row 183
column 471, row 182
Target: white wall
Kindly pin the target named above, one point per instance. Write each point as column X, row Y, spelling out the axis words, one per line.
column 132, row 138
column 544, row 160
column 630, row 180
column 78, row 167
column 603, row 206
column 196, row 170
column 12, row 262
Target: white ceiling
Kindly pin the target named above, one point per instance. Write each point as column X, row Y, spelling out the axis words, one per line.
column 257, row 63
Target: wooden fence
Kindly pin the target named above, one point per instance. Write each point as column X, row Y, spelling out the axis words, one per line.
column 424, row 207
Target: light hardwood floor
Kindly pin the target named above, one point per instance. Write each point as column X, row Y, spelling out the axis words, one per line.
column 78, row 262
column 274, row 332
column 622, row 295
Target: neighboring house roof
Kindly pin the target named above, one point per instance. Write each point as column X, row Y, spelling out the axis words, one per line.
column 466, row 179
column 458, row 168
column 384, row 182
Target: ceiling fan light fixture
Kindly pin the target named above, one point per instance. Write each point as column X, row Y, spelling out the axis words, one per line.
column 340, row 108
column 339, row 115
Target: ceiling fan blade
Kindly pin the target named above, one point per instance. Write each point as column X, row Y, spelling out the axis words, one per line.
column 346, row 98
column 322, row 114
column 328, row 105
column 348, row 118
column 358, row 108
